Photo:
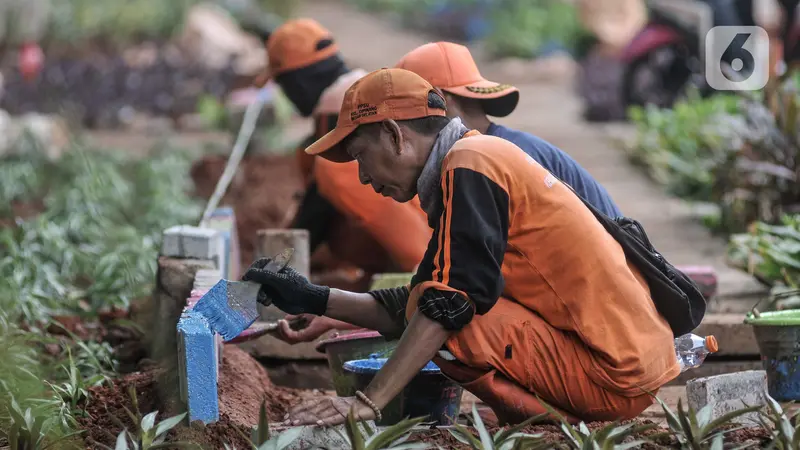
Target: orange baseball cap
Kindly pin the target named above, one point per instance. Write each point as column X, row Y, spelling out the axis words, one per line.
column 296, row 44
column 451, row 68
column 395, row 94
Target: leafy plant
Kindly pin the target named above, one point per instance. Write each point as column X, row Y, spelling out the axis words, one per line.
column 696, row 430
column 22, row 389
column 783, row 425
column 513, row 438
column 260, row 438
column 391, row 438
column 769, row 252
column 681, row 147
column 521, row 28
column 30, row 431
column 609, row 437
column 75, row 389
column 148, row 434
column 95, row 244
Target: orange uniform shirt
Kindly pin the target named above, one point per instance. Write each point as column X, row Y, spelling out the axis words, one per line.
column 510, row 229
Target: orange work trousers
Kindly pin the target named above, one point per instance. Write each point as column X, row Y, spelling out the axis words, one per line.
column 400, row 228
column 510, row 358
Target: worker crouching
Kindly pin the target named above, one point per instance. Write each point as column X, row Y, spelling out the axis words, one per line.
column 521, row 295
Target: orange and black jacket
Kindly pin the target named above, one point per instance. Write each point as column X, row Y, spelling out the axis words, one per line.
column 465, row 253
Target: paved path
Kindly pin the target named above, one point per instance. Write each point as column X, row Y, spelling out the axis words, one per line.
column 552, row 111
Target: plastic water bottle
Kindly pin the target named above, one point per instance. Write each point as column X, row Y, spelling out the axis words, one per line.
column 691, row 350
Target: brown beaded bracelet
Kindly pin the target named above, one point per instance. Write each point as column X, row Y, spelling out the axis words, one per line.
column 363, row 397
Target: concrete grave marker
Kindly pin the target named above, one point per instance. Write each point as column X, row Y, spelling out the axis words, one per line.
column 729, row 392
column 198, row 367
column 186, row 241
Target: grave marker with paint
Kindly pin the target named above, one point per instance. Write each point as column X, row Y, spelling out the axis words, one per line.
column 197, row 350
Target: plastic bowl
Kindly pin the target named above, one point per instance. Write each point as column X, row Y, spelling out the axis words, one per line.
column 346, row 347
column 428, row 394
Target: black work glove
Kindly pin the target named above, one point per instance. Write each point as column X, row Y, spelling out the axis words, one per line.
column 291, row 292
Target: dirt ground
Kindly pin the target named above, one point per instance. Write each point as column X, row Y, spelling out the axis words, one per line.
column 243, row 383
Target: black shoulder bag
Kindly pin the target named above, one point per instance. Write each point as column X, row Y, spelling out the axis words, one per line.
column 676, row 296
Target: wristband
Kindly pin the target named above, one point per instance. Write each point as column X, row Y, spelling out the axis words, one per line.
column 363, row 397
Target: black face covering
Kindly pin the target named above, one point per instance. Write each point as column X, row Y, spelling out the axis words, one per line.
column 305, row 86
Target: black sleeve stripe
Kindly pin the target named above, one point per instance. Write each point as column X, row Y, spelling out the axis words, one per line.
column 477, row 211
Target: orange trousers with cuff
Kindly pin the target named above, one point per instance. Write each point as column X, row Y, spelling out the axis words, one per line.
column 510, row 358
column 401, row 229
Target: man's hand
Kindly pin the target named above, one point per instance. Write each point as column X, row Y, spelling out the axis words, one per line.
column 327, row 411
column 288, row 290
column 315, row 327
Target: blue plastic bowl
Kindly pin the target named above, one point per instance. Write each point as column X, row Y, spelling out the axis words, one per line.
column 428, row 394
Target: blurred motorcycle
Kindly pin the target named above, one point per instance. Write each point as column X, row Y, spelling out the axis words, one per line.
column 667, row 57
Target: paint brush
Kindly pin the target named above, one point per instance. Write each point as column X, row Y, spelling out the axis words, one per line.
column 232, row 306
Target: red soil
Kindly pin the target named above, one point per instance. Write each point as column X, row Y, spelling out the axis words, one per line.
column 243, row 383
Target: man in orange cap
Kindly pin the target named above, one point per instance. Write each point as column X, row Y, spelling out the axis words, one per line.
column 451, row 68
column 304, row 60
column 522, row 294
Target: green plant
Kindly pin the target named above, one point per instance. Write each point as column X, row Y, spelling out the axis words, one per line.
column 95, row 243
column 681, row 147
column 696, row 430
column 391, row 438
column 148, row 434
column 609, row 437
column 75, row 389
column 512, row 438
column 521, row 27
column 770, row 252
column 260, row 438
column 783, row 425
column 21, row 387
column 30, row 431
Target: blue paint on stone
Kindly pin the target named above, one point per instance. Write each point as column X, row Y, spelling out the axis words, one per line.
column 197, row 350
column 373, row 365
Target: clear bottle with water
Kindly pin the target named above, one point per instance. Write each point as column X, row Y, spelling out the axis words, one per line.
column 691, row 350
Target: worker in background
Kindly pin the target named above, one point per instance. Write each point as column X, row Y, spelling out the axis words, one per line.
column 451, row 68
column 521, row 295
column 23, row 24
column 304, row 60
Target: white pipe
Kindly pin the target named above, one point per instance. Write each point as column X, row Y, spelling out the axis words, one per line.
column 245, row 133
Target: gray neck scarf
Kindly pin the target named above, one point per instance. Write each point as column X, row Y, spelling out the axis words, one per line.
column 429, row 187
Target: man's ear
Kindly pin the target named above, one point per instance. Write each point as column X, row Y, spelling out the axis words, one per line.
column 393, row 129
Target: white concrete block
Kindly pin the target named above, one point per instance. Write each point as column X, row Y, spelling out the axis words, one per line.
column 186, row 241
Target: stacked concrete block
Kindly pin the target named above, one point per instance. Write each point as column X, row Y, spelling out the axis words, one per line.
column 198, row 355
column 199, row 348
column 186, row 241
column 729, row 392
column 224, row 220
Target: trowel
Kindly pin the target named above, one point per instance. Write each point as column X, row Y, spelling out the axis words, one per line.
column 231, row 307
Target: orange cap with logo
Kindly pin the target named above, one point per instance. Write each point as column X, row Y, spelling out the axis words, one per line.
column 395, row 94
column 294, row 45
column 451, row 68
